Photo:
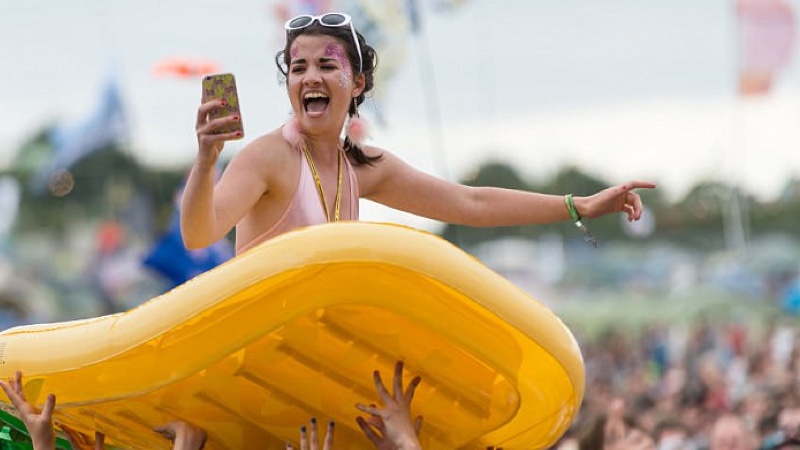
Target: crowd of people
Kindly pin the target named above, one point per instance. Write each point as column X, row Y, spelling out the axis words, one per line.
column 710, row 385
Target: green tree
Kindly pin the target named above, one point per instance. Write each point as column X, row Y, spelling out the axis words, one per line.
column 99, row 186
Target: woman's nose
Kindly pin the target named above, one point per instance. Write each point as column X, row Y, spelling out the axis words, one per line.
column 312, row 77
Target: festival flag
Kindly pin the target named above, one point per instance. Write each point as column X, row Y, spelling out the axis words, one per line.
column 767, row 32
column 106, row 126
column 184, row 67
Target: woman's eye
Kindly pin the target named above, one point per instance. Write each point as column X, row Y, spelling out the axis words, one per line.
column 297, row 69
column 328, row 67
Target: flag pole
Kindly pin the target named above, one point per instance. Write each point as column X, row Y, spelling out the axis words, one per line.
column 735, row 231
column 428, row 78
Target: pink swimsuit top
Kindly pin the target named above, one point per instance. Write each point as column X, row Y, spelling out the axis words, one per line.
column 305, row 208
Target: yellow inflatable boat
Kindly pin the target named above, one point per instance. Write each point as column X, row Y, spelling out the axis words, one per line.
column 293, row 329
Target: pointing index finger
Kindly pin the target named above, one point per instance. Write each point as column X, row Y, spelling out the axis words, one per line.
column 639, row 185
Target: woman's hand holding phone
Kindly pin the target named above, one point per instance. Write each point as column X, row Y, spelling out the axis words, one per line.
column 218, row 117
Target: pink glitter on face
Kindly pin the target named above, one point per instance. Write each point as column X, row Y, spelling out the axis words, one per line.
column 337, row 51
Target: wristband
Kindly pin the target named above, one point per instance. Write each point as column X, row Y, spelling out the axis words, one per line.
column 576, row 217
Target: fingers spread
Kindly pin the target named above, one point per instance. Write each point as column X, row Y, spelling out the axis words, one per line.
column 412, row 387
column 329, row 436
column 303, row 438
column 417, row 425
column 7, row 389
column 368, row 409
column 382, row 392
column 368, row 431
column 49, row 404
column 313, row 439
column 18, row 382
column 397, row 389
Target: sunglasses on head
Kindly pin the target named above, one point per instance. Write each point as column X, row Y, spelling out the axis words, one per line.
column 335, row 19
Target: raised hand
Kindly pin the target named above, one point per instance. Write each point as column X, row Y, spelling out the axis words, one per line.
column 184, row 436
column 39, row 423
column 309, row 439
column 391, row 427
column 210, row 141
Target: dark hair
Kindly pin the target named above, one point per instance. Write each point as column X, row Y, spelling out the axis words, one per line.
column 370, row 62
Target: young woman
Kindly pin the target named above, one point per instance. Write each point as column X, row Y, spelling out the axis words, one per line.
column 304, row 173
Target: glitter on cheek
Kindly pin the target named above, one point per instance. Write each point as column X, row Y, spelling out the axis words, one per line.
column 344, row 82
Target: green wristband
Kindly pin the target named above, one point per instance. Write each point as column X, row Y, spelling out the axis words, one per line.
column 573, row 212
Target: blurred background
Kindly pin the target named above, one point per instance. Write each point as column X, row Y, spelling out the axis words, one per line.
column 703, row 98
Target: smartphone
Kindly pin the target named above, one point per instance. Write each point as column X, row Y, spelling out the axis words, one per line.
column 223, row 85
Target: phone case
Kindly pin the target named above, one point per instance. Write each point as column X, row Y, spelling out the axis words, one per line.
column 223, row 86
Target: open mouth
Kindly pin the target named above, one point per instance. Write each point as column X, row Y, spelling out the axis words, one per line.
column 315, row 102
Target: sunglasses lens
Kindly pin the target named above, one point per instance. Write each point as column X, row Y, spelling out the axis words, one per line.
column 333, row 19
column 300, row 22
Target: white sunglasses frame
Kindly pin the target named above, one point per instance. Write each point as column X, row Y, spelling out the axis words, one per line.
column 347, row 21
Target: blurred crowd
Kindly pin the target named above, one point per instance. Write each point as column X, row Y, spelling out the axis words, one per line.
column 708, row 385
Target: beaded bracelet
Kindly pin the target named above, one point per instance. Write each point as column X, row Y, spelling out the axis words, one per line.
column 573, row 212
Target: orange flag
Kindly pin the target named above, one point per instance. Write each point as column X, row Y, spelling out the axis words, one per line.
column 767, row 32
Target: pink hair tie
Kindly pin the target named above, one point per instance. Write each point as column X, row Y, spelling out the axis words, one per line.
column 357, row 130
column 291, row 132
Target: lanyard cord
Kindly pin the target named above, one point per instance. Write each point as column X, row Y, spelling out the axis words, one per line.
column 320, row 191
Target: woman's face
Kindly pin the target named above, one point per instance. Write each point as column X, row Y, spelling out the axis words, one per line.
column 320, row 83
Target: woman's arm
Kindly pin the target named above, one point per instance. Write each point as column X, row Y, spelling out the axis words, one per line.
column 398, row 185
column 211, row 208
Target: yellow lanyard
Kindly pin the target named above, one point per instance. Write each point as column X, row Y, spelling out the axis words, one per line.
column 320, row 191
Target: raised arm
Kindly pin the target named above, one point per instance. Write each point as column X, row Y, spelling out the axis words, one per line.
column 396, row 184
column 211, row 208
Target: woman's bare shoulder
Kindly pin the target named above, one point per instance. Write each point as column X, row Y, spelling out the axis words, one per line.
column 268, row 148
column 268, row 143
